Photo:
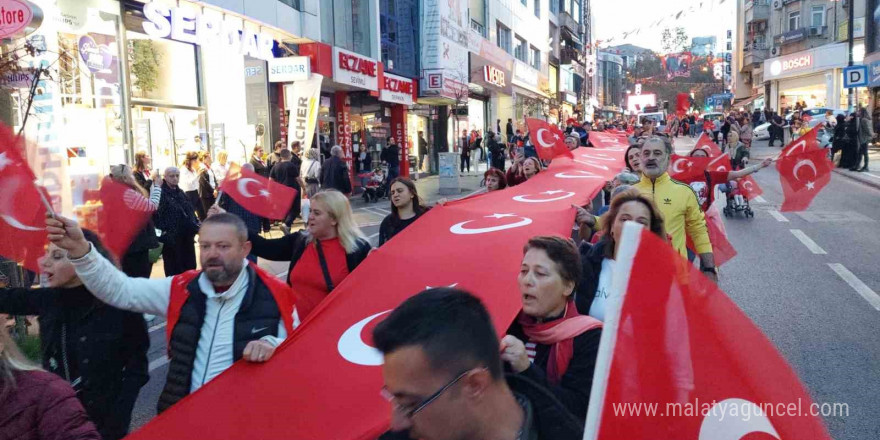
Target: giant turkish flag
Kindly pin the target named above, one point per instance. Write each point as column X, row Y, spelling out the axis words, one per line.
column 676, row 343
column 324, row 381
column 802, row 176
column 22, row 212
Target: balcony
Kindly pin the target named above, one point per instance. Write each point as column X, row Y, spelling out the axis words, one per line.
column 568, row 55
column 759, row 11
column 754, row 57
column 567, row 21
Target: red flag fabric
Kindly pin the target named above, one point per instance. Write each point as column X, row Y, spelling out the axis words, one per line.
column 749, row 187
column 807, row 142
column 803, row 176
column 324, row 381
column 679, row 360
column 124, row 213
column 704, row 143
column 606, row 140
column 720, row 163
column 682, row 103
column 722, row 248
column 260, row 195
column 22, row 212
column 548, row 139
column 688, row 168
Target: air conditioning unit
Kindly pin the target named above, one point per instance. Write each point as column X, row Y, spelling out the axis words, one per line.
column 777, row 4
column 816, row 31
column 774, row 51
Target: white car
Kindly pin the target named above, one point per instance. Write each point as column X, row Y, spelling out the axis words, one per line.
column 761, row 132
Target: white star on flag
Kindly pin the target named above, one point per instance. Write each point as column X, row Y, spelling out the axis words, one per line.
column 4, row 161
column 811, row 185
column 556, row 136
column 500, row 215
column 264, row 193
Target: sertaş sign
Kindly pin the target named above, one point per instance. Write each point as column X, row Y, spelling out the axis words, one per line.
column 355, row 70
column 206, row 29
column 396, row 89
column 289, row 69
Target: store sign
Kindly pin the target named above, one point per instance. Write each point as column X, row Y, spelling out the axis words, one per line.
column 95, row 57
column 355, row 70
column 785, row 65
column 210, row 30
column 494, row 75
column 397, row 89
column 289, row 69
column 17, row 16
column 18, row 80
column 525, row 75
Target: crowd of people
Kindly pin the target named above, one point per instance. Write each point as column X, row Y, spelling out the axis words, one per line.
column 534, row 380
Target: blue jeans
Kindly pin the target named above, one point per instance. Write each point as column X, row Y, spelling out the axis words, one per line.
column 692, row 130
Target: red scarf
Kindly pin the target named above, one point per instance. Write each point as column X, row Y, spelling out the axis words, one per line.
column 560, row 334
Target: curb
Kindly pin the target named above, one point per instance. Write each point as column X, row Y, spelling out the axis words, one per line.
column 853, row 175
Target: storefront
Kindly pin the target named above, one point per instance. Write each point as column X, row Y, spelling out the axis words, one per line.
column 812, row 77
column 490, row 85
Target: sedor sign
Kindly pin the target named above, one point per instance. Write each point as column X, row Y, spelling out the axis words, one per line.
column 289, row 69
column 206, row 29
column 396, row 89
column 355, row 70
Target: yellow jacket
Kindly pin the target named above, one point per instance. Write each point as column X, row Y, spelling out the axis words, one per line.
column 681, row 212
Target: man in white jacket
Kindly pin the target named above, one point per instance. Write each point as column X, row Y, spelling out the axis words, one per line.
column 228, row 311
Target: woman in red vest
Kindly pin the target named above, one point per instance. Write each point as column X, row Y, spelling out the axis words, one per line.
column 550, row 342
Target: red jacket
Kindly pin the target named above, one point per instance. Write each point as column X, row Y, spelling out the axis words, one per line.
column 43, row 407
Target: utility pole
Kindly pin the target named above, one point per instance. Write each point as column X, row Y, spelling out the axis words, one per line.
column 849, row 35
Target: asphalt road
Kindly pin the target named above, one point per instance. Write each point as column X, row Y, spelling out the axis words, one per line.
column 813, row 292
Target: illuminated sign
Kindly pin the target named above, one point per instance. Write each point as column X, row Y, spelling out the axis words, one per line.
column 494, row 75
column 355, row 70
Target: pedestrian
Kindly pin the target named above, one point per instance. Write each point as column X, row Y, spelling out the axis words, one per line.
column 692, row 125
column 633, row 157
column 745, row 132
column 598, row 261
column 477, row 145
column 221, row 167
column 515, row 174
column 101, row 351
column 839, row 139
column 464, row 151
column 252, row 222
column 286, row 172
column 178, row 224
column 572, row 142
column 423, row 149
column 704, row 185
column 142, row 173
column 207, row 184
column 509, row 129
column 241, row 311
column 725, row 129
column 334, row 172
column 866, row 134
column 536, row 345
column 776, row 129
column 37, row 405
column 677, row 202
column 323, row 255
column 260, row 166
column 275, row 156
column 136, row 261
column 442, row 363
column 495, row 179
column 189, row 182
column 497, row 152
column 311, row 172
column 406, row 208
column 391, row 156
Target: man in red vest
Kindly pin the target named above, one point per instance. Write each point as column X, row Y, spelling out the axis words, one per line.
column 229, row 310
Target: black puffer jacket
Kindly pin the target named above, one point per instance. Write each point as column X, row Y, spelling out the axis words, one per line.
column 175, row 216
column 105, row 349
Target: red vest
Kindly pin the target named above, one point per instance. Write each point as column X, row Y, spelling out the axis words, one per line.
column 280, row 291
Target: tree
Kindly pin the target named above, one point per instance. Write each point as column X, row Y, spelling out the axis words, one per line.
column 145, row 65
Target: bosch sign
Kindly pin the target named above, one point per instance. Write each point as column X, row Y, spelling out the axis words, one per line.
column 797, row 63
column 355, row 70
column 494, row 75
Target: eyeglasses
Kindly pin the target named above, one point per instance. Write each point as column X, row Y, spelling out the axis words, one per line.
column 410, row 411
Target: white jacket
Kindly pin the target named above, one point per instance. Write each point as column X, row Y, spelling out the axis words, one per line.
column 189, row 180
column 143, row 295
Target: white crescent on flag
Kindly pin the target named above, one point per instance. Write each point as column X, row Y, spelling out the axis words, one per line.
column 525, row 197
column 579, row 174
column 352, row 347
column 804, row 162
column 17, row 224
column 679, row 161
column 459, row 228
column 242, row 187
column 541, row 140
column 733, row 419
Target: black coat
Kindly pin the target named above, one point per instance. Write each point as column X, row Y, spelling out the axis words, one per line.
column 142, row 180
column 260, row 167
column 106, row 348
column 291, row 247
column 175, row 215
column 334, row 174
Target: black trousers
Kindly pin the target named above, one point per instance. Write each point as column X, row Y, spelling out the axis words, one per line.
column 863, row 153
column 206, row 204
column 196, row 203
column 776, row 133
column 137, row 264
column 465, row 161
column 179, row 255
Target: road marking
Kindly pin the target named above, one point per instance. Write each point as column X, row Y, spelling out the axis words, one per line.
column 158, row 363
column 809, row 243
column 777, row 215
column 857, row 285
column 158, row 326
column 872, row 175
column 373, row 236
column 760, row 199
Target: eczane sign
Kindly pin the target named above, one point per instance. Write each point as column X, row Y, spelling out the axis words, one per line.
column 355, row 70
column 396, row 89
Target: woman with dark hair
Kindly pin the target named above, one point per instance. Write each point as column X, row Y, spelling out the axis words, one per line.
column 850, row 153
column 189, row 182
column 136, row 261
column 207, row 184
column 260, row 166
column 100, row 350
column 497, row 151
column 495, row 180
column 406, row 208
column 142, row 174
column 632, row 158
column 550, row 342
column 839, row 138
column 598, row 260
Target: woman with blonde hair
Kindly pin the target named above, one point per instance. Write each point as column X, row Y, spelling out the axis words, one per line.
column 189, row 181
column 323, row 254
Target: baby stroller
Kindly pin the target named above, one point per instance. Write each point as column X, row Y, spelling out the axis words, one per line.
column 736, row 201
column 375, row 187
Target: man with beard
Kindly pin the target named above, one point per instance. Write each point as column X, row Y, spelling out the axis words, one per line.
column 228, row 311
column 677, row 202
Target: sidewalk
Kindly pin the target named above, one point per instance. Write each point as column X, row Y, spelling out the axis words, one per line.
column 870, row 178
column 429, row 188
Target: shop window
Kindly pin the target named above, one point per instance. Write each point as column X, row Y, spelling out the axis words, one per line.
column 817, row 16
column 520, row 51
column 504, row 38
column 794, row 20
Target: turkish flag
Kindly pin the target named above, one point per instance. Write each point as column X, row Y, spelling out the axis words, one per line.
column 720, row 163
column 324, row 381
column 749, row 187
column 722, row 248
column 259, row 195
column 807, row 142
column 124, row 214
column 803, row 176
column 704, row 143
column 548, row 139
column 680, row 352
column 22, row 212
column 688, row 168
column 606, row 140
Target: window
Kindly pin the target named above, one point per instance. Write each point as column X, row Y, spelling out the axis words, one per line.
column 538, row 8
column 794, row 20
column 817, row 16
column 504, row 38
column 554, row 7
column 552, row 39
column 525, row 2
column 478, row 27
column 576, row 10
column 292, row 3
column 536, row 58
column 520, row 51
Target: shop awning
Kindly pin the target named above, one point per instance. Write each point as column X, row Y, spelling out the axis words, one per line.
column 746, row 101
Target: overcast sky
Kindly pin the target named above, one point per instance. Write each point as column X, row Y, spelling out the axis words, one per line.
column 614, row 17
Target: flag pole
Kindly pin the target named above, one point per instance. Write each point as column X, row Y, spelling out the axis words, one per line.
column 46, row 204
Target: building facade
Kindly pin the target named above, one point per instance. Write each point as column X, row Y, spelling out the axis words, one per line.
column 611, row 78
